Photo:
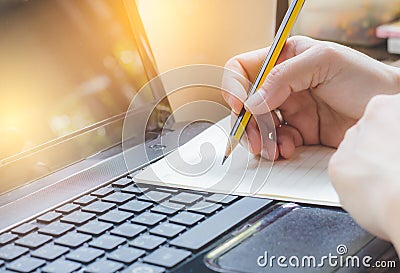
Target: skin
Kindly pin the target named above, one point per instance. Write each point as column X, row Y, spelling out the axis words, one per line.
column 322, row 89
column 365, row 169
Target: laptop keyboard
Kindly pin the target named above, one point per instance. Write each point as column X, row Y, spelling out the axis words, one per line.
column 123, row 227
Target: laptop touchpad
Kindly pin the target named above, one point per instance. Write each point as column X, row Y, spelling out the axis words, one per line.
column 304, row 240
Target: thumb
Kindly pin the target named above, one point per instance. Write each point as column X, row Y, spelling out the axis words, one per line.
column 303, row 71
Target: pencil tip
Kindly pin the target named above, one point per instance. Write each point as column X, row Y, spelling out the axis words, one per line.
column 224, row 159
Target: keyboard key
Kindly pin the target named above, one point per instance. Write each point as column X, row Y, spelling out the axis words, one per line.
column 187, row 218
column 49, row 217
column 135, row 206
column 25, row 264
column 6, row 238
column 104, row 266
column 85, row 254
column 107, row 242
column 140, row 267
column 24, row 229
column 170, row 190
column 11, row 252
column 98, row 207
column 167, row 257
column 78, row 217
column 33, row 240
column 1, row 263
column 73, row 239
column 116, row 216
column 142, row 187
column 148, row 218
column 154, row 196
column 123, row 182
column 49, row 252
column 204, row 193
column 56, row 229
column 168, row 208
column 67, row 208
column 131, row 189
column 134, row 190
column 95, row 228
column 186, row 198
column 128, row 230
column 102, row 192
column 118, row 197
column 167, row 230
column 85, row 200
column 207, row 231
column 148, row 242
column 205, row 208
column 61, row 266
column 126, row 254
column 221, row 198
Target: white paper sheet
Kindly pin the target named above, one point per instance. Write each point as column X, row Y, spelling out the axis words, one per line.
column 197, row 165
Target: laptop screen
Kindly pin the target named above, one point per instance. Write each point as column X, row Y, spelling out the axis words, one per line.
column 66, row 65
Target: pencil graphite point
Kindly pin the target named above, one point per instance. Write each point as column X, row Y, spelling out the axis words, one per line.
column 224, row 159
column 230, row 146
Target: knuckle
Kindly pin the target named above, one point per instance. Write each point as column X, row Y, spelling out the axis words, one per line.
column 231, row 62
column 328, row 51
column 234, row 63
column 277, row 72
column 301, row 39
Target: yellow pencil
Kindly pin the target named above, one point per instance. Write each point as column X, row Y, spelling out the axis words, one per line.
column 269, row 62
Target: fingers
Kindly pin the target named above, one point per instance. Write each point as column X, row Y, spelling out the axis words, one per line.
column 238, row 74
column 288, row 76
column 252, row 139
column 234, row 90
column 288, row 138
column 241, row 71
column 255, row 141
column 305, row 71
column 260, row 145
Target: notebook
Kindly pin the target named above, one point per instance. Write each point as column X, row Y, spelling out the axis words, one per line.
column 197, row 165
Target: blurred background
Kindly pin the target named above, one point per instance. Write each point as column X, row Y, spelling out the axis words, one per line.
column 183, row 32
column 349, row 22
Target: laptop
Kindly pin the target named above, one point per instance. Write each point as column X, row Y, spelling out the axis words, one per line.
column 69, row 203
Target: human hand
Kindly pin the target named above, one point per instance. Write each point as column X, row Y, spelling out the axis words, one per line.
column 320, row 88
column 365, row 170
